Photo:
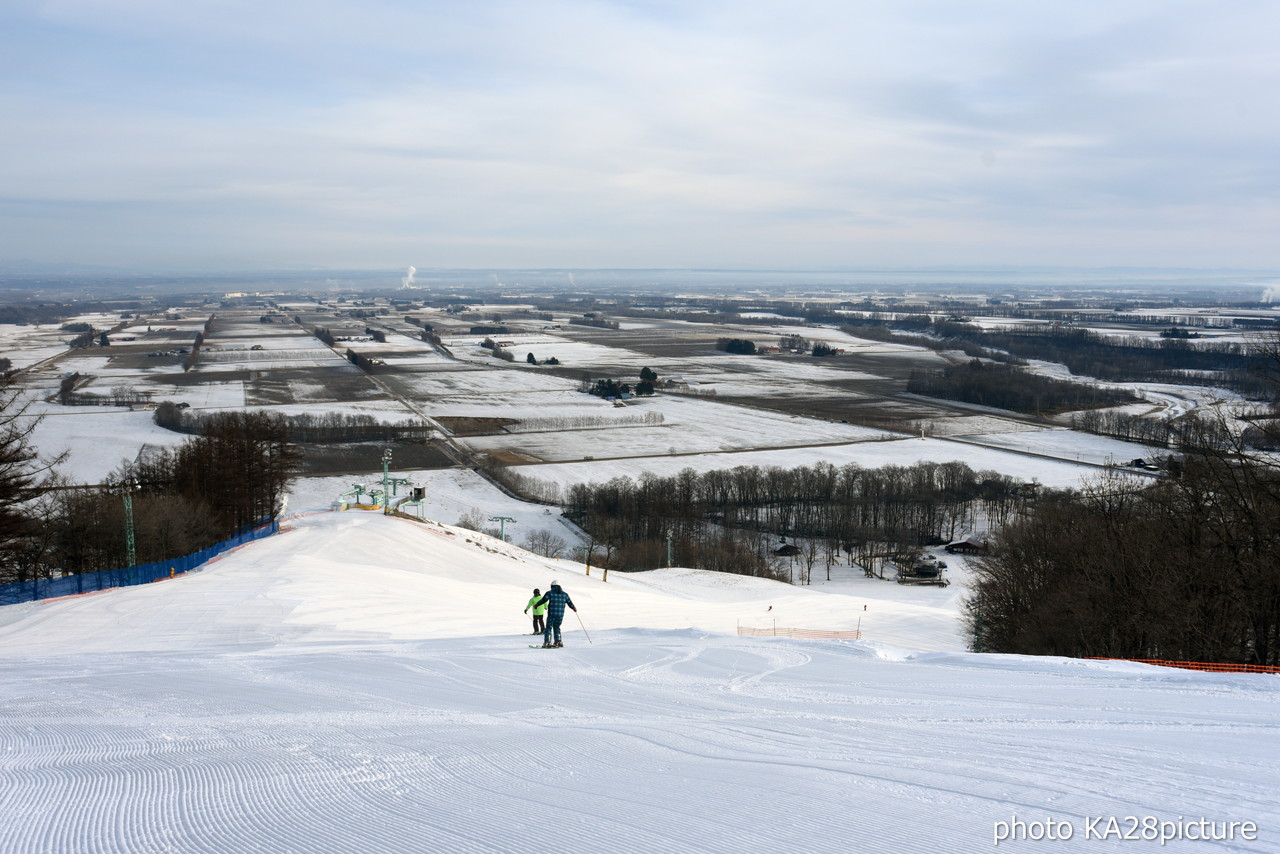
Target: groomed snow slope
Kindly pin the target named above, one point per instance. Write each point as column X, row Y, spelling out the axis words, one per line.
column 359, row 684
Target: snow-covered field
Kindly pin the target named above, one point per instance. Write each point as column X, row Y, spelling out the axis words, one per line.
column 261, row 360
column 24, row 346
column 294, row 373
column 765, row 378
column 1066, row 445
column 361, row 684
column 689, row 426
column 97, row 439
column 502, row 385
column 868, row 454
column 826, row 335
column 545, row 346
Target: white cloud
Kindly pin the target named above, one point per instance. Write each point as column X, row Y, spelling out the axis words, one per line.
column 692, row 134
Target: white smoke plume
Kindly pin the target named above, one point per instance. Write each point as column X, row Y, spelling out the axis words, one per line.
column 407, row 281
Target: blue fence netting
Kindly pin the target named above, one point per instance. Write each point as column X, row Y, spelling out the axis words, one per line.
column 145, row 573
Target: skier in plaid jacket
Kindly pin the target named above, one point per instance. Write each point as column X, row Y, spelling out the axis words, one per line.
column 555, row 600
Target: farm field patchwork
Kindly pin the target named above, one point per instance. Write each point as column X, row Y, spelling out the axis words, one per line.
column 283, row 367
column 689, row 426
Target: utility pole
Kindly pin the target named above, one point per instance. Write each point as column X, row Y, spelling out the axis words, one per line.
column 668, row 548
column 502, row 525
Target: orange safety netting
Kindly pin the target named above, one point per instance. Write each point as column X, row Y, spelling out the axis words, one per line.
column 1209, row 666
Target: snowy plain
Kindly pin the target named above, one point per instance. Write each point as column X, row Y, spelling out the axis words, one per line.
column 361, row 683
column 688, row 426
column 1025, row 462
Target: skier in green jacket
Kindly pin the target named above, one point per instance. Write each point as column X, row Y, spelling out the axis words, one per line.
column 539, row 610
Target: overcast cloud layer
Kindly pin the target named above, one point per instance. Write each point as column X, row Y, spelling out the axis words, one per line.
column 379, row 133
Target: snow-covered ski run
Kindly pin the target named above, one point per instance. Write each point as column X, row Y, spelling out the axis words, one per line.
column 352, row 686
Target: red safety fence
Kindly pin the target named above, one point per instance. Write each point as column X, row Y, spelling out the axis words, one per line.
column 850, row 634
column 1209, row 666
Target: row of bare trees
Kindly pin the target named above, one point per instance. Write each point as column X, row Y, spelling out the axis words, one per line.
column 1185, row 569
column 724, row 518
column 303, row 428
column 231, row 477
column 580, row 422
column 1165, row 432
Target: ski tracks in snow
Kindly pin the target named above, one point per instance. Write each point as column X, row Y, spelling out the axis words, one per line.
column 641, row 742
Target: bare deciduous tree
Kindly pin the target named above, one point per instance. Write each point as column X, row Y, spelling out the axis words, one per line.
column 472, row 520
column 545, row 543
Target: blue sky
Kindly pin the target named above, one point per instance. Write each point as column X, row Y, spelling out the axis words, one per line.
column 241, row 133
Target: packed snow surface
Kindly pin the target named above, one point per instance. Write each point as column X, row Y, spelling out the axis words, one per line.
column 361, row 684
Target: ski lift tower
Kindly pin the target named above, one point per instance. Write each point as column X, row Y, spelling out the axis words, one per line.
column 386, row 468
column 502, row 525
column 125, row 489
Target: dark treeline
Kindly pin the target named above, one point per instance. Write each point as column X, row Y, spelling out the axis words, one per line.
column 364, row 363
column 739, row 346
column 305, row 428
column 1089, row 354
column 85, row 340
column 426, row 331
column 189, row 361
column 1085, row 353
column 1185, row 569
column 31, row 313
column 609, row 389
column 727, row 519
column 1010, row 387
column 599, row 322
column 498, row 350
column 183, row 499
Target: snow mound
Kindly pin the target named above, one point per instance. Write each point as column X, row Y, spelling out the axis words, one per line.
column 362, row 684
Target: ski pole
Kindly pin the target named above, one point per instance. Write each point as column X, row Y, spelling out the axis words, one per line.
column 584, row 626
